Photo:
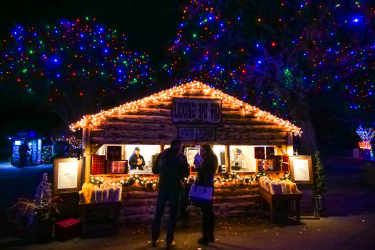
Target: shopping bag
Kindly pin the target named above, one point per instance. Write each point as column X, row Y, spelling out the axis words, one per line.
column 201, row 194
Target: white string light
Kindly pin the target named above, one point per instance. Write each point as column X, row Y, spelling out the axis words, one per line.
column 97, row 119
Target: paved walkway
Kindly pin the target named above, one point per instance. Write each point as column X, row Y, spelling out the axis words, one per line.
column 350, row 225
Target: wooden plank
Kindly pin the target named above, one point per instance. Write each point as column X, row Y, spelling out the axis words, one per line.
column 242, row 141
column 152, row 133
column 144, row 141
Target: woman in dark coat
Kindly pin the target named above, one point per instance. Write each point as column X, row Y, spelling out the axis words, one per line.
column 206, row 172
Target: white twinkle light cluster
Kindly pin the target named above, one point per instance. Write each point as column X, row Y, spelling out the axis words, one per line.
column 91, row 121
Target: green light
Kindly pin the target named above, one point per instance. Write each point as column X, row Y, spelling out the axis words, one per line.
column 102, row 73
column 194, row 35
column 274, row 103
column 24, row 71
column 31, row 52
column 229, row 52
column 329, row 87
column 87, row 18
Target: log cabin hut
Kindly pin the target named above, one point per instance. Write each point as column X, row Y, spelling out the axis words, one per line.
column 248, row 142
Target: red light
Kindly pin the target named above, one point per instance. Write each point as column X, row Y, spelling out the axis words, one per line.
column 18, row 79
column 273, row 44
column 243, row 71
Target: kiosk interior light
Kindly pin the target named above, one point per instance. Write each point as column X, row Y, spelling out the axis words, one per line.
column 17, row 143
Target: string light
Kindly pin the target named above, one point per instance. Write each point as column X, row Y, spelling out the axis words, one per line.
column 97, row 119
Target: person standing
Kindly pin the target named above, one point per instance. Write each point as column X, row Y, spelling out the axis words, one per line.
column 136, row 160
column 173, row 168
column 206, row 171
column 23, row 150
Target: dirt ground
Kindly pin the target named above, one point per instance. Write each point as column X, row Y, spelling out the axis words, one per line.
column 350, row 223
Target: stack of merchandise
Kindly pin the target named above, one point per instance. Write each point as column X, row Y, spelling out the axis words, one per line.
column 278, row 187
column 106, row 192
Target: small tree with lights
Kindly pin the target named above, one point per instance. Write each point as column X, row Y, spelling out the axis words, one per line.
column 320, row 186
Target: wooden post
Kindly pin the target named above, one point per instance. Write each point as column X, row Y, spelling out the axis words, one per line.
column 289, row 147
column 86, row 153
column 161, row 148
column 227, row 159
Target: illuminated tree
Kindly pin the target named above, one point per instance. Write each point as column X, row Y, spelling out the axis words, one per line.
column 278, row 54
column 70, row 68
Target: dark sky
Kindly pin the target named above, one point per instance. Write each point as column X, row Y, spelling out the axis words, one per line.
column 149, row 24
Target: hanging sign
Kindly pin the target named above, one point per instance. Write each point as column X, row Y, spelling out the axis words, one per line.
column 301, row 169
column 187, row 110
column 67, row 175
column 197, row 134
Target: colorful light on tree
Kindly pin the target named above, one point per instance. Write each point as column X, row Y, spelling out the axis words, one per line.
column 71, row 67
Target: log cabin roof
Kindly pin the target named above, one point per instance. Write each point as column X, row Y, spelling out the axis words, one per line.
column 192, row 89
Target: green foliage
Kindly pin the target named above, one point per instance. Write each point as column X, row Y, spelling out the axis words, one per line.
column 320, row 187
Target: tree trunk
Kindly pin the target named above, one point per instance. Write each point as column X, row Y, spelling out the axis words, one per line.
column 301, row 114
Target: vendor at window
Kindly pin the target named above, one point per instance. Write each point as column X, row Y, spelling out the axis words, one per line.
column 136, row 161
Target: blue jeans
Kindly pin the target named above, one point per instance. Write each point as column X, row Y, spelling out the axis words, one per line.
column 164, row 195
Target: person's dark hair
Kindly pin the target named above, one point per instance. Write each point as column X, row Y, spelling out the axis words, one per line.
column 210, row 157
column 176, row 143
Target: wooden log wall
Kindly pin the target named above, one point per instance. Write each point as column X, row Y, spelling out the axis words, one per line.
column 153, row 125
column 138, row 204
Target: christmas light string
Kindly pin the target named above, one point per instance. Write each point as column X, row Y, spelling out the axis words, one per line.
column 340, row 57
column 63, row 58
column 98, row 119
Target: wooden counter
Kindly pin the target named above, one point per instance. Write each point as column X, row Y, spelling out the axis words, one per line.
column 273, row 199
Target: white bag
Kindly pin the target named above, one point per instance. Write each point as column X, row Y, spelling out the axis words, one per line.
column 201, row 194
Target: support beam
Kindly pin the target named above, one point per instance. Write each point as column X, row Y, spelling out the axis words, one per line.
column 86, row 153
column 289, row 147
column 227, row 159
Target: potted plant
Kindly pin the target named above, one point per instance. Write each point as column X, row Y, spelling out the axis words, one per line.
column 38, row 215
column 320, row 188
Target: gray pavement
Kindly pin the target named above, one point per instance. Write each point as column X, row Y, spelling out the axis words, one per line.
column 350, row 223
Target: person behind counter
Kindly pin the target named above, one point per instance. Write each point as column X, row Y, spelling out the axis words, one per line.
column 173, row 167
column 136, row 160
column 206, row 171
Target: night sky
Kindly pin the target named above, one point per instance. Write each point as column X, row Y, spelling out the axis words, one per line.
column 150, row 26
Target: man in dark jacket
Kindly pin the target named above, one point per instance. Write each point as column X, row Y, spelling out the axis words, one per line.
column 136, row 160
column 173, row 167
column 22, row 150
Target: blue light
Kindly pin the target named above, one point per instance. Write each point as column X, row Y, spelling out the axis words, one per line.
column 221, row 24
column 10, row 138
column 259, row 62
column 105, row 51
column 301, row 5
column 238, row 18
column 81, row 35
column 58, row 75
column 101, row 41
column 81, row 48
column 355, row 20
column 119, row 70
column 210, row 18
column 257, row 45
column 370, row 93
column 55, row 60
column 331, row 34
column 182, row 24
column 304, row 54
